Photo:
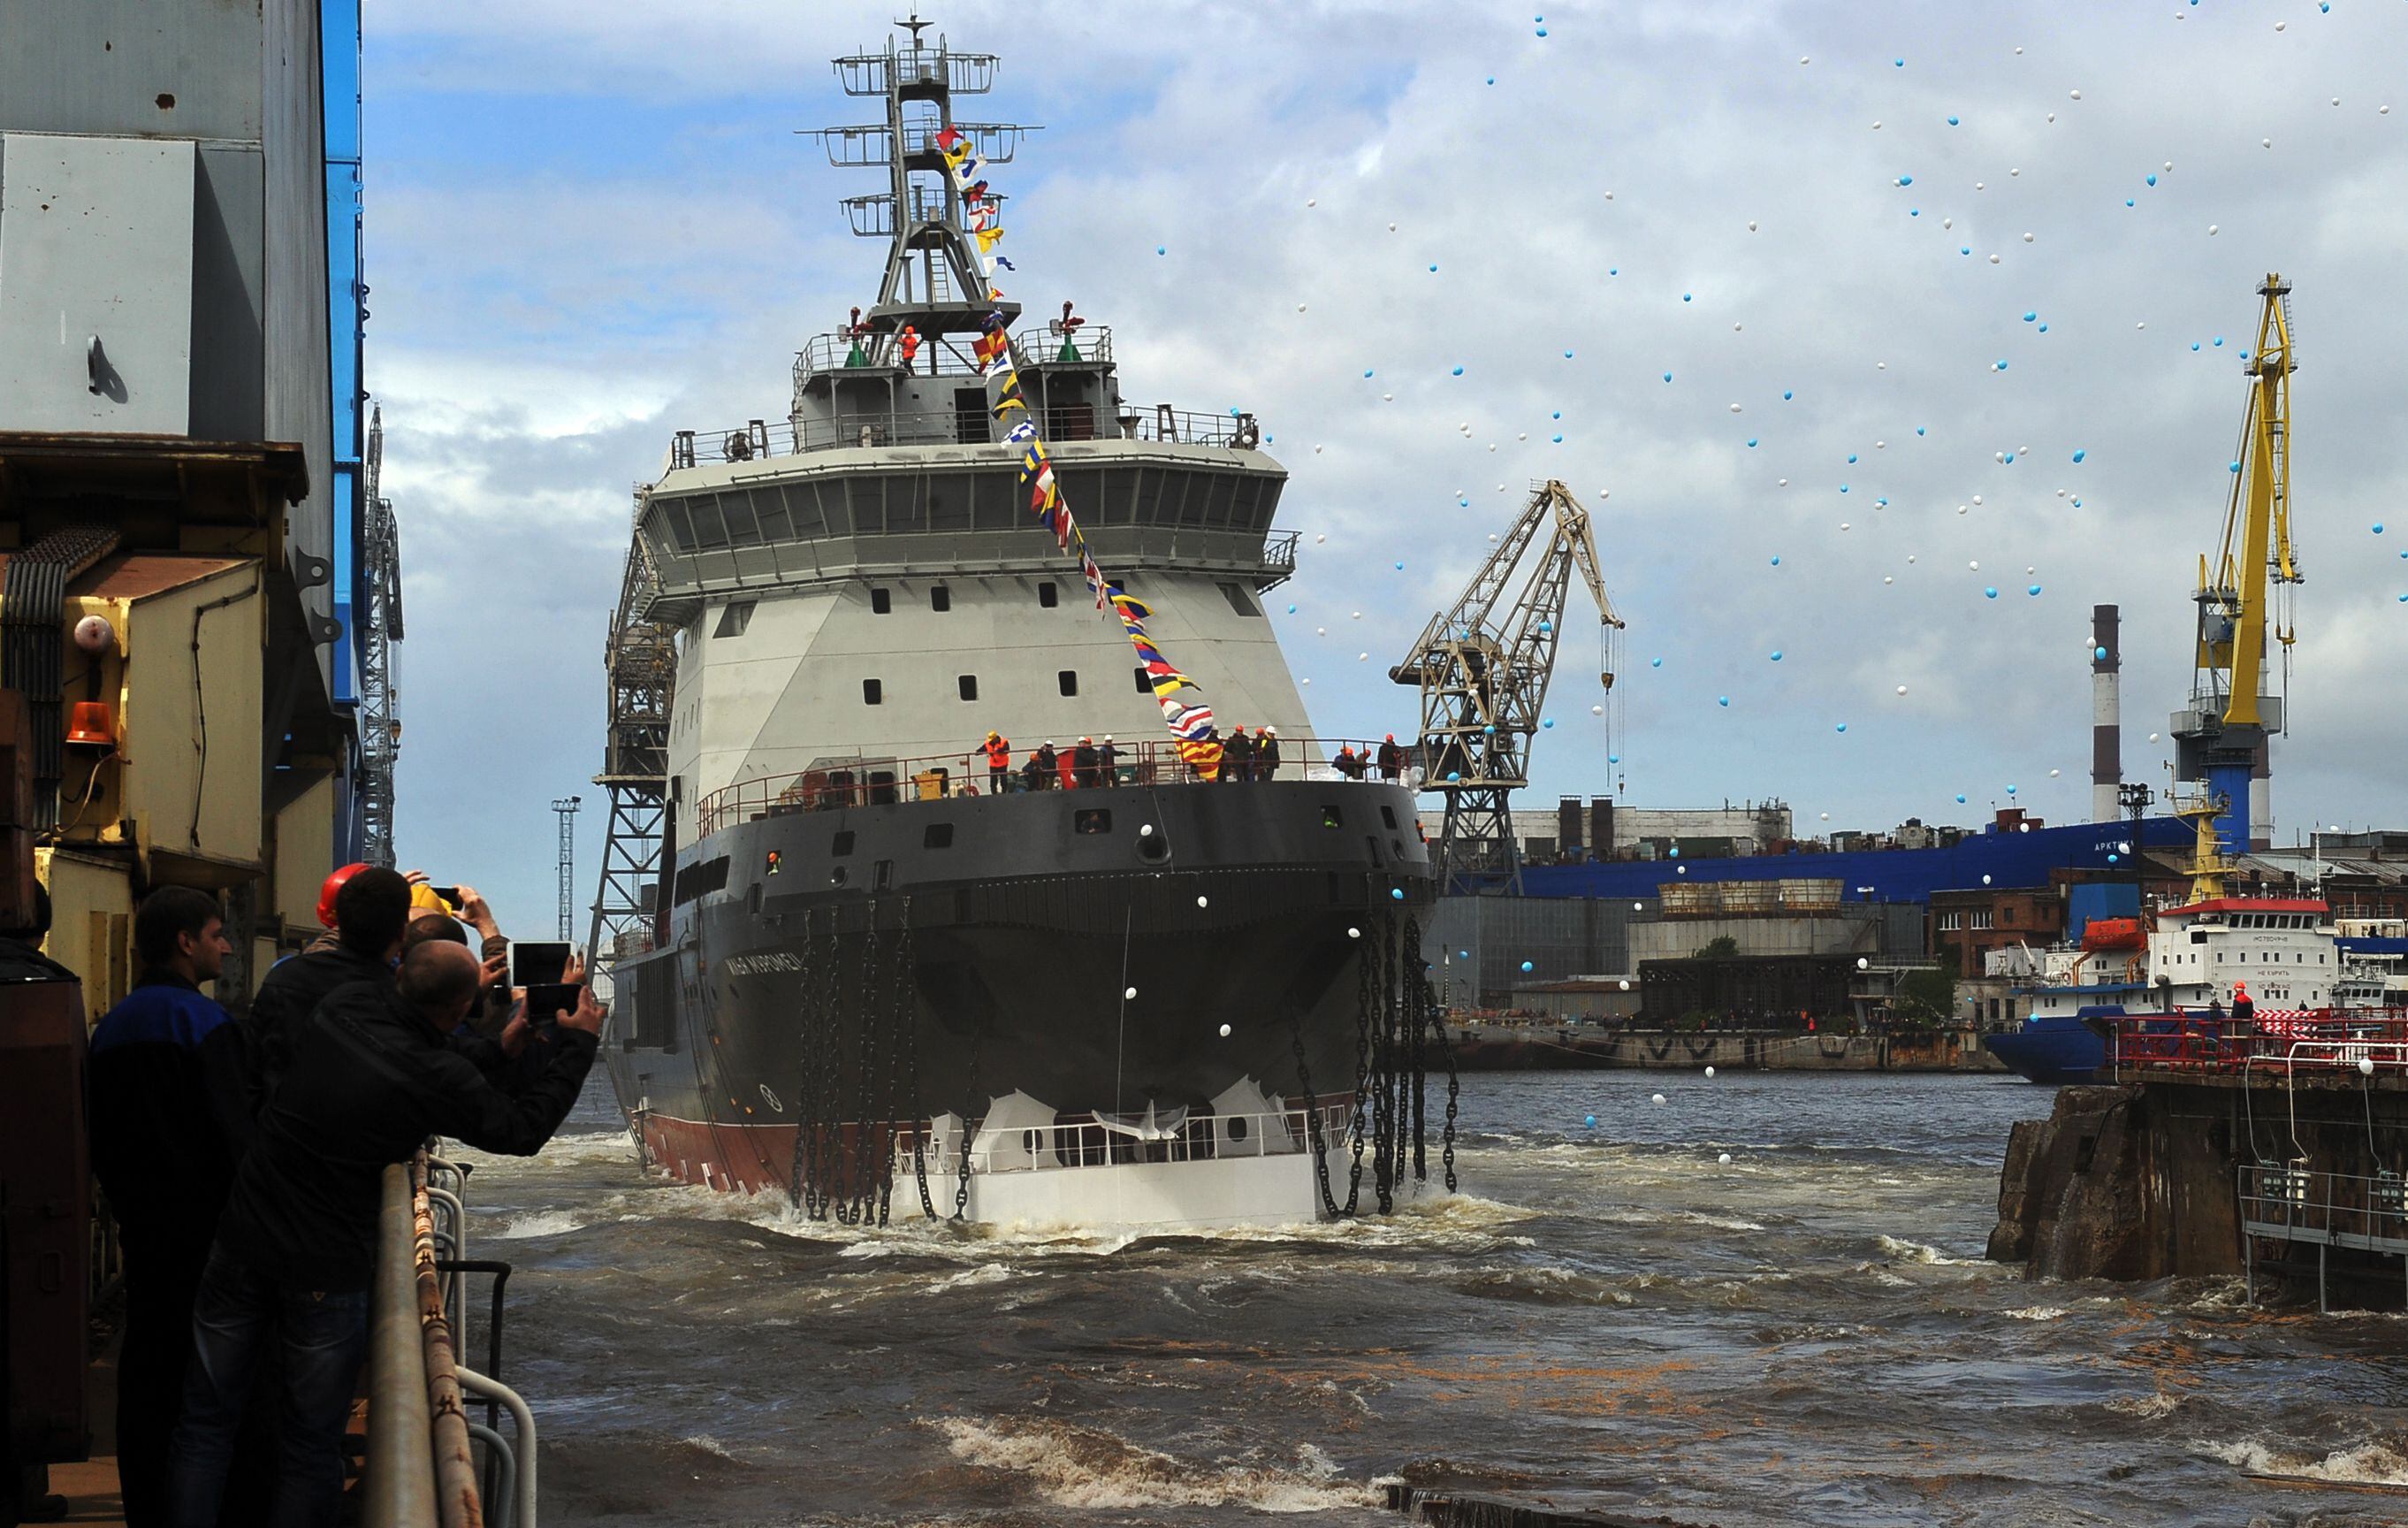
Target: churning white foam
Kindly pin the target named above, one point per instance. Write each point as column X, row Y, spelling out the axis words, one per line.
column 2372, row 1463
column 1087, row 1467
column 1904, row 1251
column 2038, row 1313
column 540, row 1223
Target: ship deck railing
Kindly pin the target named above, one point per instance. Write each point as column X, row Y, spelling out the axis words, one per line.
column 2366, row 1041
column 758, row 440
column 1095, row 1143
column 1032, row 349
column 2297, row 1206
column 836, row 785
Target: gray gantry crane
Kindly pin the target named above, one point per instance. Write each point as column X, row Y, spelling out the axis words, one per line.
column 1482, row 665
column 379, row 628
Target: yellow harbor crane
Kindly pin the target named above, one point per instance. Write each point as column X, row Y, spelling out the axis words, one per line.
column 2244, row 593
column 1482, row 665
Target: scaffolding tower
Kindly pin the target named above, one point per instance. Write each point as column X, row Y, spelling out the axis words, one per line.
column 641, row 661
column 379, row 628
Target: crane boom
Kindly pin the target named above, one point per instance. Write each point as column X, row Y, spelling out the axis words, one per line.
column 1482, row 665
column 2221, row 736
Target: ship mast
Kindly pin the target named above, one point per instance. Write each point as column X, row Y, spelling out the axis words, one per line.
column 937, row 280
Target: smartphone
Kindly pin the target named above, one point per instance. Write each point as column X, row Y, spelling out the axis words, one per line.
column 547, row 1001
column 536, row 965
column 450, row 894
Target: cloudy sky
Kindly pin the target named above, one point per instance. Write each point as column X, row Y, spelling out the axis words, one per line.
column 1906, row 240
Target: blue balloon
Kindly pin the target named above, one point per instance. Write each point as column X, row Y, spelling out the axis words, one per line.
column 1721, row 700
column 2153, row 179
column 1842, row 728
column 1397, row 893
column 1674, row 851
column 1906, row 180
column 1616, row 758
column 1952, row 121
column 2079, row 455
column 1852, row 459
column 2033, row 590
column 2008, row 457
column 2043, row 328
column 2111, row 858
column 1463, row 955
column 1787, row 394
column 1567, row 355
column 2029, row 317
column 1685, row 297
column 1458, row 371
column 2099, row 652
column 1991, row 594
column 1659, row 663
column 2378, row 527
column 1918, row 429
column 1548, row 722
column 1525, row 965
column 1401, row 568
column 2236, row 466
column 1668, row 376
column 1589, row 1120
column 1999, row 366
column 1291, row 609
column 1559, row 439
column 1751, row 442
column 1776, row 654
column 2010, row 790
column 1960, row 797
column 1776, row 562
column 1433, row 269
column 1160, row 250
column 1557, row 414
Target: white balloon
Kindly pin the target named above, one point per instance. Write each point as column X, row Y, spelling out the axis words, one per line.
column 1723, row 1161
column 1659, row 1098
column 1225, row 1032
column 1203, row 902
column 1354, row 933
column 1128, row 995
column 1710, row 1072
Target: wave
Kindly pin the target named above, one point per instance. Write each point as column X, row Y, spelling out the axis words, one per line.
column 540, row 1223
column 2148, row 1408
column 2040, row 1313
column 1905, row 1251
column 2371, row 1463
column 1075, row 1466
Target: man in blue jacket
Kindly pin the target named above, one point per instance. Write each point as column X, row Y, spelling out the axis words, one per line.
column 169, row 1123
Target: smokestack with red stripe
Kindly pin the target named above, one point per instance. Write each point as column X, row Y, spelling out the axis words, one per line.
column 2106, row 707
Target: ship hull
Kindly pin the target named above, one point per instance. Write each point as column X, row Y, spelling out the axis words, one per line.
column 962, row 951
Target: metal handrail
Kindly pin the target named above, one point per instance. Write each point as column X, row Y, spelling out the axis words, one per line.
column 2190, row 1040
column 758, row 440
column 522, row 1513
column 842, row 350
column 835, row 784
column 399, row 1490
column 456, row 1466
column 1090, row 1143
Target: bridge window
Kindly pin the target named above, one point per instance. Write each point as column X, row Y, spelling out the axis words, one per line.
column 941, row 599
column 1069, row 680
column 733, row 618
column 1144, row 683
column 1048, row 596
column 881, row 602
column 873, row 693
column 936, row 835
column 968, row 684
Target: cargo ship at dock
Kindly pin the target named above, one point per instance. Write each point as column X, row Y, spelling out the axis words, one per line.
column 851, row 962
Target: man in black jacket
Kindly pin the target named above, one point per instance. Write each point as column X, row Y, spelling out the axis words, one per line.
column 370, row 912
column 170, row 1119
column 372, row 1076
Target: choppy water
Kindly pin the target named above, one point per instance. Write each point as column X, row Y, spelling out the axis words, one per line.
column 1602, row 1318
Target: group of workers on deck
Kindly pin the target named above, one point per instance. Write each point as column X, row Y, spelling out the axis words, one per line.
column 1244, row 757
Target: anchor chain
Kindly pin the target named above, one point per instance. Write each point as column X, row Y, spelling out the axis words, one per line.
column 970, row 1092
column 796, row 1170
column 857, row 1191
column 906, row 1003
column 1363, row 984
column 1311, row 1113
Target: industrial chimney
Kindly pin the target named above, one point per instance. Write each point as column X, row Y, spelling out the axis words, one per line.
column 2106, row 721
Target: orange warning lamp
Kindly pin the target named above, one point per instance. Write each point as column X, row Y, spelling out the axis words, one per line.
column 91, row 725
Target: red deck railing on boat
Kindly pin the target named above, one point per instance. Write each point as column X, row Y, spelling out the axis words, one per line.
column 885, row 782
column 2357, row 1039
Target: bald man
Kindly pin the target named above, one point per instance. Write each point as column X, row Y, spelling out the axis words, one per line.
column 372, row 1076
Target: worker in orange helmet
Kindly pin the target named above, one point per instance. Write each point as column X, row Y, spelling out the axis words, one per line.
column 998, row 749
column 2244, row 1012
column 326, row 892
column 1392, row 759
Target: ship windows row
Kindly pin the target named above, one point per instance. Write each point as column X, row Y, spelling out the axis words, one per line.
column 873, row 691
